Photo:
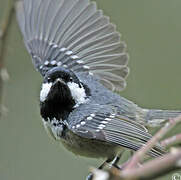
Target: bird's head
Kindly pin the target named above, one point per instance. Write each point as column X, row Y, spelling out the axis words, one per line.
column 62, row 86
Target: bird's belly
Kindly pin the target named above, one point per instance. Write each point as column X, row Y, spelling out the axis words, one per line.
column 89, row 147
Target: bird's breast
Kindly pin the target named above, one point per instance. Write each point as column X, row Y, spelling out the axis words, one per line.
column 55, row 128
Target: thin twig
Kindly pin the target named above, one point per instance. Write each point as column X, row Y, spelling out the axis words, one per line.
column 3, row 44
column 171, row 140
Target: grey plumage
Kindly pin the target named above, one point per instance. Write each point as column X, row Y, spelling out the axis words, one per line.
column 82, row 29
column 75, row 35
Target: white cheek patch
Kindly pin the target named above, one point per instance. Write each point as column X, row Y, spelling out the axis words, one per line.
column 44, row 91
column 78, row 93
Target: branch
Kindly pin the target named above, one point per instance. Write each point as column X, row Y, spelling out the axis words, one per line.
column 150, row 170
column 3, row 44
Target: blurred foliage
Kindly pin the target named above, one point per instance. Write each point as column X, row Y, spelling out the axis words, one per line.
column 152, row 31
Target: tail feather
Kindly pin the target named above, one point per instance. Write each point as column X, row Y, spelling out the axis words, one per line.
column 157, row 117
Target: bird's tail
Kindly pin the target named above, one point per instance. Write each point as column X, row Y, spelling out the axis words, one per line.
column 155, row 117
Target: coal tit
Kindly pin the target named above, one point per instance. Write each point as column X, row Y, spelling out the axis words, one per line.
column 82, row 61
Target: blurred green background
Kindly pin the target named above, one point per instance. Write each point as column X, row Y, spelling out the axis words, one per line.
column 152, row 30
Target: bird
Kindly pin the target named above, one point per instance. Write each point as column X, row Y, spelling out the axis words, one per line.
column 84, row 65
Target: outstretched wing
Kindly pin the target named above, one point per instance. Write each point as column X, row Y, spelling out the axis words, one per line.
column 73, row 34
column 114, row 128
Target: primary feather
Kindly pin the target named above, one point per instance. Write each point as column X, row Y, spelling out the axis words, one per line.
column 76, row 35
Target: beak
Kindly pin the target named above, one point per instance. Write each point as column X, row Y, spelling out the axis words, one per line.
column 59, row 81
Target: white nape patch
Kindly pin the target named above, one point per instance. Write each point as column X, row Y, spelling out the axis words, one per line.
column 78, row 93
column 44, row 91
